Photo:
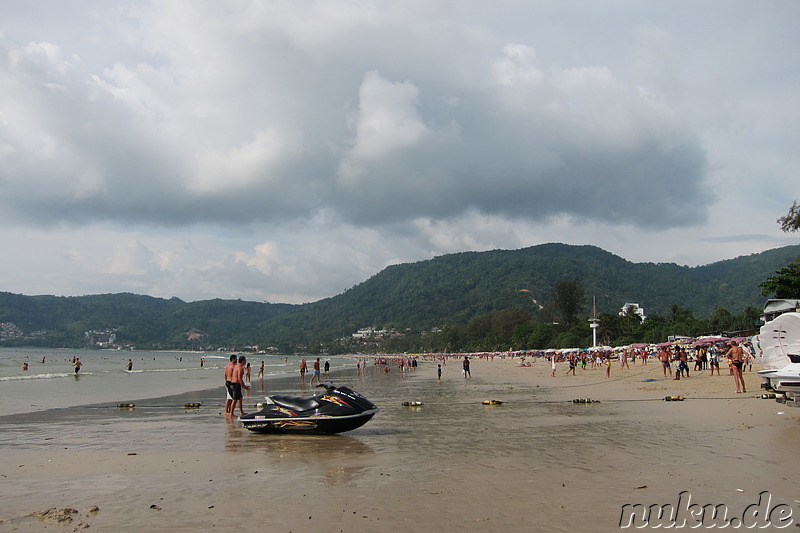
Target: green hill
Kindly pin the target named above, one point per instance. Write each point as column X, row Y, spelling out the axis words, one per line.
column 142, row 321
column 457, row 287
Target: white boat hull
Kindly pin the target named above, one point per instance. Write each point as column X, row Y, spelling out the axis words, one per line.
column 778, row 348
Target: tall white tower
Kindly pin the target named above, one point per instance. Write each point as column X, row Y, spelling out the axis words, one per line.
column 594, row 322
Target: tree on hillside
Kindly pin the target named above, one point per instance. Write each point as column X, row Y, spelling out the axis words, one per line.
column 785, row 284
column 721, row 320
column 568, row 297
column 791, row 222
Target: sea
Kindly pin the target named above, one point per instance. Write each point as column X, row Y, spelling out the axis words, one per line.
column 50, row 381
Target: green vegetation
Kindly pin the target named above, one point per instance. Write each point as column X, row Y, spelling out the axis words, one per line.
column 522, row 299
column 141, row 321
column 785, row 284
column 791, row 221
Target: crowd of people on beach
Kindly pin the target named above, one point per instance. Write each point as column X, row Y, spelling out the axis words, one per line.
column 674, row 358
column 738, row 353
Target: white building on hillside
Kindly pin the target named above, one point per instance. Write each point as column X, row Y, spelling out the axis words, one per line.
column 632, row 309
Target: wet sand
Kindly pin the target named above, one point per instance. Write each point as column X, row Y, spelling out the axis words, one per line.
column 537, row 462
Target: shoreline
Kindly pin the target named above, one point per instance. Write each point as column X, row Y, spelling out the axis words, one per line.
column 453, row 464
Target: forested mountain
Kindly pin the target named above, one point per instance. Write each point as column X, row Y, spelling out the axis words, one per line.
column 457, row 287
column 142, row 321
column 451, row 289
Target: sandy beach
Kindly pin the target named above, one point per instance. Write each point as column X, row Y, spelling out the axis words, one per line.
column 538, row 462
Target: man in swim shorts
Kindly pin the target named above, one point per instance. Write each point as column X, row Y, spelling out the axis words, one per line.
column 315, row 373
column 303, row 367
column 229, row 368
column 237, row 383
column 664, row 357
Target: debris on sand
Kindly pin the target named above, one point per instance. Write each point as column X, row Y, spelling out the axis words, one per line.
column 64, row 516
column 60, row 516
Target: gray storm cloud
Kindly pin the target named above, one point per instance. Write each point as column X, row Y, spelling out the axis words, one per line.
column 254, row 118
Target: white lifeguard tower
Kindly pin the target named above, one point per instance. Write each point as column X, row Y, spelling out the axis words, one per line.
column 594, row 323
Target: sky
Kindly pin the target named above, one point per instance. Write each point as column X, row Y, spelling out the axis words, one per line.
column 285, row 151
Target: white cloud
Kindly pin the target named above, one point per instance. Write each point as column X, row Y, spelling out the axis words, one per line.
column 271, row 150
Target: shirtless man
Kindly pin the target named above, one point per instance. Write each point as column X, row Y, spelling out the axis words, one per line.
column 228, row 388
column 315, row 373
column 237, row 382
column 303, row 368
column 663, row 356
column 736, row 355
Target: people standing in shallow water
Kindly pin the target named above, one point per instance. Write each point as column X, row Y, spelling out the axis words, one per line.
column 467, row 373
column 77, row 365
column 130, row 365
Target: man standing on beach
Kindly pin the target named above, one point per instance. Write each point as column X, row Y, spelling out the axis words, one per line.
column 467, row 373
column 736, row 355
column 663, row 356
column 229, row 368
column 237, row 382
column 713, row 359
column 315, row 373
column 303, row 368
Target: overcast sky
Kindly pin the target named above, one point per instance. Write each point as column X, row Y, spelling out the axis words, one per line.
column 285, row 151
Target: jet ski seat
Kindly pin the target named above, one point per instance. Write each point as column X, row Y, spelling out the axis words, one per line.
column 294, row 403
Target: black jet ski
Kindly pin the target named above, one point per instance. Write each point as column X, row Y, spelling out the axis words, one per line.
column 336, row 410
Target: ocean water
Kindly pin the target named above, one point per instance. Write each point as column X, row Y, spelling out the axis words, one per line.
column 50, row 381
